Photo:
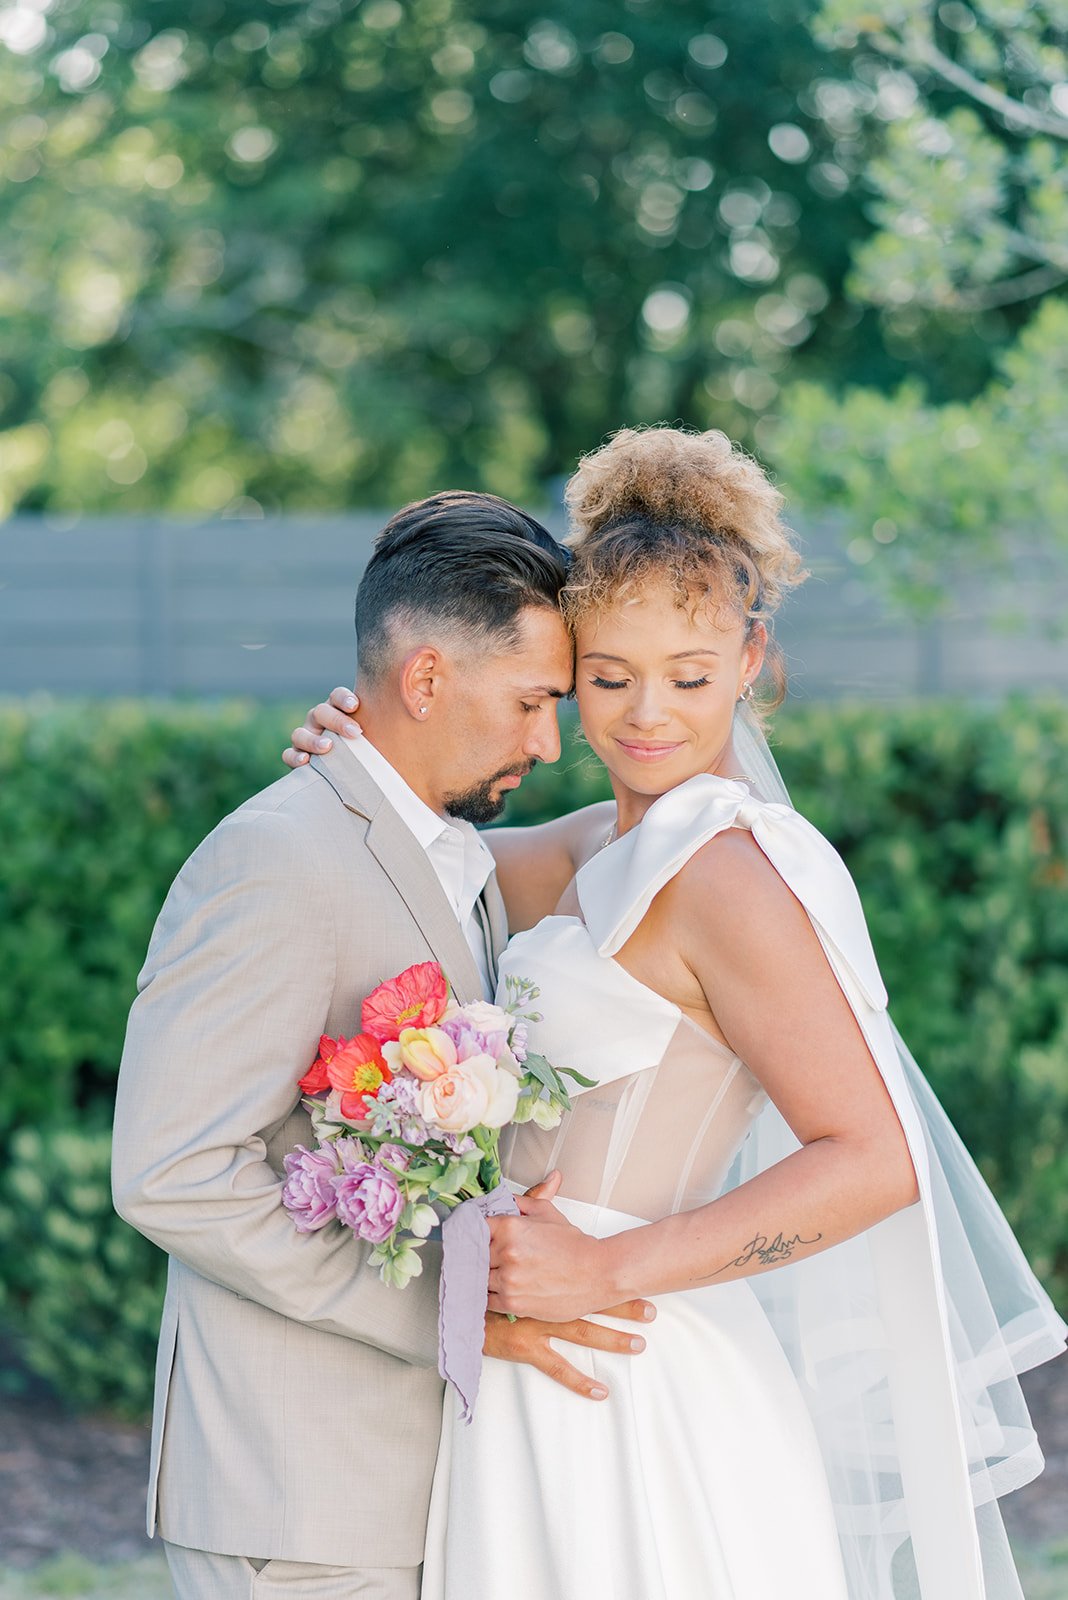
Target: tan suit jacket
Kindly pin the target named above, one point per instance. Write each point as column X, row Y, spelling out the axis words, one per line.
column 297, row 1403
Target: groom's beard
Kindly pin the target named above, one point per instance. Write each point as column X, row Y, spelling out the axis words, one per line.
column 480, row 804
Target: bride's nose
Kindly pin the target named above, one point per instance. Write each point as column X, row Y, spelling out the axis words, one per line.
column 646, row 711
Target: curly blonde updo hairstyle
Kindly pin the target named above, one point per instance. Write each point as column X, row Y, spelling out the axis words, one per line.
column 690, row 508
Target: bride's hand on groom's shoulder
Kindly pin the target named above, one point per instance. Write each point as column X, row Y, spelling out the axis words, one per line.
column 312, row 738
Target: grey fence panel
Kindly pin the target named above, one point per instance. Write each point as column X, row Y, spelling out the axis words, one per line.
column 264, row 607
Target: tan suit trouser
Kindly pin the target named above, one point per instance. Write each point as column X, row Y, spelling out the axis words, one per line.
column 202, row 1575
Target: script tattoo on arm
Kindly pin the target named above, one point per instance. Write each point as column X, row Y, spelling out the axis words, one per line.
column 769, row 1253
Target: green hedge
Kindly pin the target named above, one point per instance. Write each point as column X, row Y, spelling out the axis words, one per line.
column 952, row 818
column 83, row 1290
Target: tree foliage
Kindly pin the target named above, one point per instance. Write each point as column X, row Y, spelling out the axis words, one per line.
column 970, row 189
column 325, row 252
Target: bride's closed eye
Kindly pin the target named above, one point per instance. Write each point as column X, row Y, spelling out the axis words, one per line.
column 606, row 683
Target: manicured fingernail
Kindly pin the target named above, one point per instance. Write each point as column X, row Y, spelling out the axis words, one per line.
column 349, row 702
column 322, row 744
column 598, row 1394
column 637, row 1344
column 649, row 1313
column 352, row 731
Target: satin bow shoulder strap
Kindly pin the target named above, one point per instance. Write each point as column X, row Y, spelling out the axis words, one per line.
column 617, row 887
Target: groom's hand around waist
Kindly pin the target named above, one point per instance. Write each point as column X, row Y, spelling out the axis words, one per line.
column 527, row 1340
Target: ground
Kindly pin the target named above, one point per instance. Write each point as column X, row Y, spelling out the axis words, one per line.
column 72, row 1495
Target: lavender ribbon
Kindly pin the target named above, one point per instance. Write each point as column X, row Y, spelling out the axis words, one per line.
column 464, row 1290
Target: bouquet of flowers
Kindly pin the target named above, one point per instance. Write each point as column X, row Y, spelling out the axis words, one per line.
column 408, row 1113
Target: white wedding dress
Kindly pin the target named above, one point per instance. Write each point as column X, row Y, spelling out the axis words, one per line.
column 837, row 1429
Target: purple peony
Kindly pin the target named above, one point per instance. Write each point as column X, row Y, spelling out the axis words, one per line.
column 394, row 1155
column 368, row 1201
column 308, row 1192
column 350, row 1154
column 471, row 1040
column 459, row 1143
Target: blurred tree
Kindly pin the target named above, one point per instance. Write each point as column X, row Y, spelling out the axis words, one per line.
column 322, row 252
column 971, row 203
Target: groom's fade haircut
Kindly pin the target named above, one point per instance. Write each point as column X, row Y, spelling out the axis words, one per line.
column 460, row 564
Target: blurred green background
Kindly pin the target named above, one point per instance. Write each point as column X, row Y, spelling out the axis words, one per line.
column 319, row 253
column 954, row 821
column 303, row 256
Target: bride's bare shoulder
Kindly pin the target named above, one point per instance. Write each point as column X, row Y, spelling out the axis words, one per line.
column 729, row 883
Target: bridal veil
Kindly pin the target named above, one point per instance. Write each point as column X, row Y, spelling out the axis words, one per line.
column 907, row 1340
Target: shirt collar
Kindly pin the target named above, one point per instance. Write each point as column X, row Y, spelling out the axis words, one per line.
column 422, row 821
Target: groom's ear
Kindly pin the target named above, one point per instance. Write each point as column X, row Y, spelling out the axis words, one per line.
column 420, row 681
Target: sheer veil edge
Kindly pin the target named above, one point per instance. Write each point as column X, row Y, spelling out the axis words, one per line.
column 907, row 1340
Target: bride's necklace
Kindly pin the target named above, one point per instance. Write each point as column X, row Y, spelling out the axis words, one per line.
column 735, row 777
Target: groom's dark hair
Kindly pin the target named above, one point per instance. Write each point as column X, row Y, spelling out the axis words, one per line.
column 466, row 562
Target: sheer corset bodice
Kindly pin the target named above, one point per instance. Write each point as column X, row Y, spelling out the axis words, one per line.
column 671, row 1104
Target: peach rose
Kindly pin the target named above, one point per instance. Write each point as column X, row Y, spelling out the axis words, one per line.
column 471, row 1094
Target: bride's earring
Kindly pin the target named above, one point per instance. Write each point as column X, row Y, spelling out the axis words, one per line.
column 747, row 692
column 422, row 711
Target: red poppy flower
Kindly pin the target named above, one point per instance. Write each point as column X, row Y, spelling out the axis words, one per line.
column 317, row 1078
column 415, row 999
column 359, row 1071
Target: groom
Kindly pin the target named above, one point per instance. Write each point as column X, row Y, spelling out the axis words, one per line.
column 298, row 1402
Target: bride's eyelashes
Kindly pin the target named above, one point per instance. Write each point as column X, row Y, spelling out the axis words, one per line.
column 606, row 683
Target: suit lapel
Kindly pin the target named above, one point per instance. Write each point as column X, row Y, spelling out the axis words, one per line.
column 405, row 864
column 495, row 919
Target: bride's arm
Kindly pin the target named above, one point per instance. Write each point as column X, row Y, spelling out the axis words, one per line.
column 534, row 864
column 775, row 998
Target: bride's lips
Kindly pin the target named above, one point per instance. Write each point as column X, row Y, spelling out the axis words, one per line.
column 646, row 750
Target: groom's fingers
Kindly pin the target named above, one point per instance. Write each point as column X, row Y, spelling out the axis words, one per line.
column 632, row 1311
column 528, row 1341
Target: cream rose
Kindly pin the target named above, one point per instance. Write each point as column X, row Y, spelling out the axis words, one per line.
column 488, row 1018
column 471, row 1094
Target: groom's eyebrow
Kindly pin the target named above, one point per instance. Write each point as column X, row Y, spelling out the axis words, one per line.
column 543, row 688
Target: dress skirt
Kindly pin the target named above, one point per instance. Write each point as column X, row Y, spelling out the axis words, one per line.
column 699, row 1478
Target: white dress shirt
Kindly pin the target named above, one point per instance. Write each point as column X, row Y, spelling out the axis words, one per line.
column 461, row 861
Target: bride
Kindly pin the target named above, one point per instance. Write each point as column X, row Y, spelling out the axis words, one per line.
column 828, row 1407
